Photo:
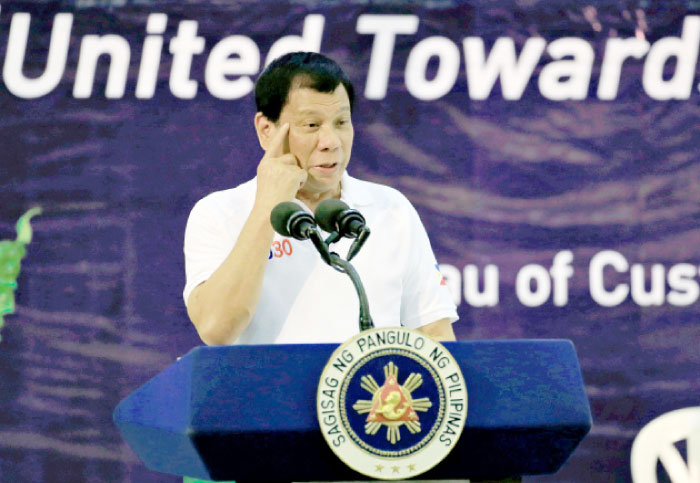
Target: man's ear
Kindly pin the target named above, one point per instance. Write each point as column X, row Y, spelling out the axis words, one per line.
column 265, row 129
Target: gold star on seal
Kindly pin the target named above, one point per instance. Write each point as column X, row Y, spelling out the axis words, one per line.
column 378, row 468
column 411, row 467
column 395, row 469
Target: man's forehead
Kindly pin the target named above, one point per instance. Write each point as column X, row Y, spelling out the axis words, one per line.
column 305, row 100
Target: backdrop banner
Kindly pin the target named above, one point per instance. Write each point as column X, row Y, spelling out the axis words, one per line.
column 550, row 148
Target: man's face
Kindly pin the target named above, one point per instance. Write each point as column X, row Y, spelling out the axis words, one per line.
column 320, row 135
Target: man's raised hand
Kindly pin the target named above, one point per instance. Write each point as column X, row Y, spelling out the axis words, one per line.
column 279, row 174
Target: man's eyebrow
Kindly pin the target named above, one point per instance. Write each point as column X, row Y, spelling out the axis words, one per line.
column 312, row 112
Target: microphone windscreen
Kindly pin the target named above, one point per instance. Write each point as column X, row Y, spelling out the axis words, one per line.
column 327, row 214
column 281, row 214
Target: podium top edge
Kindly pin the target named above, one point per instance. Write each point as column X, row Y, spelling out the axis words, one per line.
column 475, row 342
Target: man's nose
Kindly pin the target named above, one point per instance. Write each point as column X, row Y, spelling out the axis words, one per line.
column 328, row 139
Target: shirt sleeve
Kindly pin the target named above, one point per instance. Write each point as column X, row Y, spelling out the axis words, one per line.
column 426, row 297
column 207, row 244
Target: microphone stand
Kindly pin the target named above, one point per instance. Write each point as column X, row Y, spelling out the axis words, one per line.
column 289, row 220
column 344, row 266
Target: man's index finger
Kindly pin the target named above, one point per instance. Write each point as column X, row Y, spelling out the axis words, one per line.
column 280, row 141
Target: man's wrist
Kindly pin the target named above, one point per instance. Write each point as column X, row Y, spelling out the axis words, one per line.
column 261, row 214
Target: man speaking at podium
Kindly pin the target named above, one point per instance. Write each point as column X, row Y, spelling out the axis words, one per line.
column 247, row 284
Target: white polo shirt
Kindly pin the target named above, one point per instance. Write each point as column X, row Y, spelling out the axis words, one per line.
column 303, row 300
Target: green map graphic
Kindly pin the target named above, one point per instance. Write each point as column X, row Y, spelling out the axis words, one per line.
column 11, row 254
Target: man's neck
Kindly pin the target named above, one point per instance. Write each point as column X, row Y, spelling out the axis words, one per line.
column 313, row 199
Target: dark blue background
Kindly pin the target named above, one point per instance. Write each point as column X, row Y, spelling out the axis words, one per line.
column 502, row 182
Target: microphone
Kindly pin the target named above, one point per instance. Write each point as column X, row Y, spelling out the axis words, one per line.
column 289, row 219
column 334, row 215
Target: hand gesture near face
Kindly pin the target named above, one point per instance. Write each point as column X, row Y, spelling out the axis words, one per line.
column 279, row 174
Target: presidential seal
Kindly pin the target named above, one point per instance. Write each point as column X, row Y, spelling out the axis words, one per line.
column 391, row 403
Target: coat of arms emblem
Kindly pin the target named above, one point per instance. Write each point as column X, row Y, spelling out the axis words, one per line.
column 392, row 405
column 406, row 424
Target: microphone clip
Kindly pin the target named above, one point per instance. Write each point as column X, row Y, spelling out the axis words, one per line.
column 358, row 242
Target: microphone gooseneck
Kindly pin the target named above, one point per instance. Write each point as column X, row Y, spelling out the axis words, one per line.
column 321, row 246
column 346, row 267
